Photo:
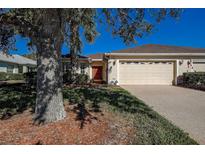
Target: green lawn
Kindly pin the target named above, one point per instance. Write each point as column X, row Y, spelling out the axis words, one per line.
column 149, row 126
column 14, row 99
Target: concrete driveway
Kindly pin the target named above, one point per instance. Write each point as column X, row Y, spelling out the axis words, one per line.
column 184, row 107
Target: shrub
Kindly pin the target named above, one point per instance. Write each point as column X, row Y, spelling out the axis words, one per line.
column 82, row 79
column 78, row 79
column 194, row 78
column 9, row 76
column 15, row 99
column 31, row 78
column 67, row 77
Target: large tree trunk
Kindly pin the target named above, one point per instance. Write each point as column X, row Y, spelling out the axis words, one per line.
column 49, row 102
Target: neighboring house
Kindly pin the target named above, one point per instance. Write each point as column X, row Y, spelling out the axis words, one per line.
column 146, row 65
column 15, row 63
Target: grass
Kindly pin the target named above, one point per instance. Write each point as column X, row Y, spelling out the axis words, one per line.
column 14, row 99
column 149, row 126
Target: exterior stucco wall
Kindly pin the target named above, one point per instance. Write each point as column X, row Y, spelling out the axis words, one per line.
column 25, row 69
column 199, row 67
column 87, row 70
column 183, row 66
column 113, row 71
column 15, row 69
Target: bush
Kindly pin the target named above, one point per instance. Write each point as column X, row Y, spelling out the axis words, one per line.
column 31, row 78
column 9, row 76
column 15, row 99
column 78, row 79
column 194, row 78
column 82, row 79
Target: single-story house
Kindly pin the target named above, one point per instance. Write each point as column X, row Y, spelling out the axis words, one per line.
column 15, row 63
column 144, row 65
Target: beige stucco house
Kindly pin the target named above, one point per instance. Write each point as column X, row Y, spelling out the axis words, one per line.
column 142, row 65
column 145, row 65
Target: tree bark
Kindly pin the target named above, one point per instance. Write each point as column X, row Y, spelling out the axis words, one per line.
column 49, row 102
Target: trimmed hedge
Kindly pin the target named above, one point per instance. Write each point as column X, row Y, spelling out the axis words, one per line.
column 194, row 78
column 9, row 76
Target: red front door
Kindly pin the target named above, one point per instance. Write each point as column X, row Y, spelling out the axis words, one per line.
column 97, row 72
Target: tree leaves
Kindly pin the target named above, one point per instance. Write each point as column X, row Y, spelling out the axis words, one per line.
column 130, row 24
column 126, row 23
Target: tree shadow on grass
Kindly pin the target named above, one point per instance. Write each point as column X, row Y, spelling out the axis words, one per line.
column 83, row 115
column 95, row 96
column 15, row 99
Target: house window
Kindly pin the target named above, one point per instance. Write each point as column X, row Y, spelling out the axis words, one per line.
column 20, row 69
column 82, row 68
column 10, row 69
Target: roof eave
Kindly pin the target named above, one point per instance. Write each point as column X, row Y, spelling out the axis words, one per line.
column 155, row 54
column 96, row 59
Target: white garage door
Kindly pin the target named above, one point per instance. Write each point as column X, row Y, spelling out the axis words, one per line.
column 146, row 73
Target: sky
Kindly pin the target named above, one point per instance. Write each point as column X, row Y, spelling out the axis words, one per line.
column 189, row 31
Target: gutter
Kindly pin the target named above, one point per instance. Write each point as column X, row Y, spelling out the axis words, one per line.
column 17, row 63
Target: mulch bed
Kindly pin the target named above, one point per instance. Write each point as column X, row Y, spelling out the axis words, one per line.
column 98, row 128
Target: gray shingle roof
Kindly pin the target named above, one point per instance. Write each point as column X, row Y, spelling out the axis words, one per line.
column 156, row 48
column 17, row 59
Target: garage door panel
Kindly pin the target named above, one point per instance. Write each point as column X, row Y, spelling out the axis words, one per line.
column 146, row 73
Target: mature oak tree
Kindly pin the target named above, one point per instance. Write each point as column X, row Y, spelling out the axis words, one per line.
column 49, row 29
